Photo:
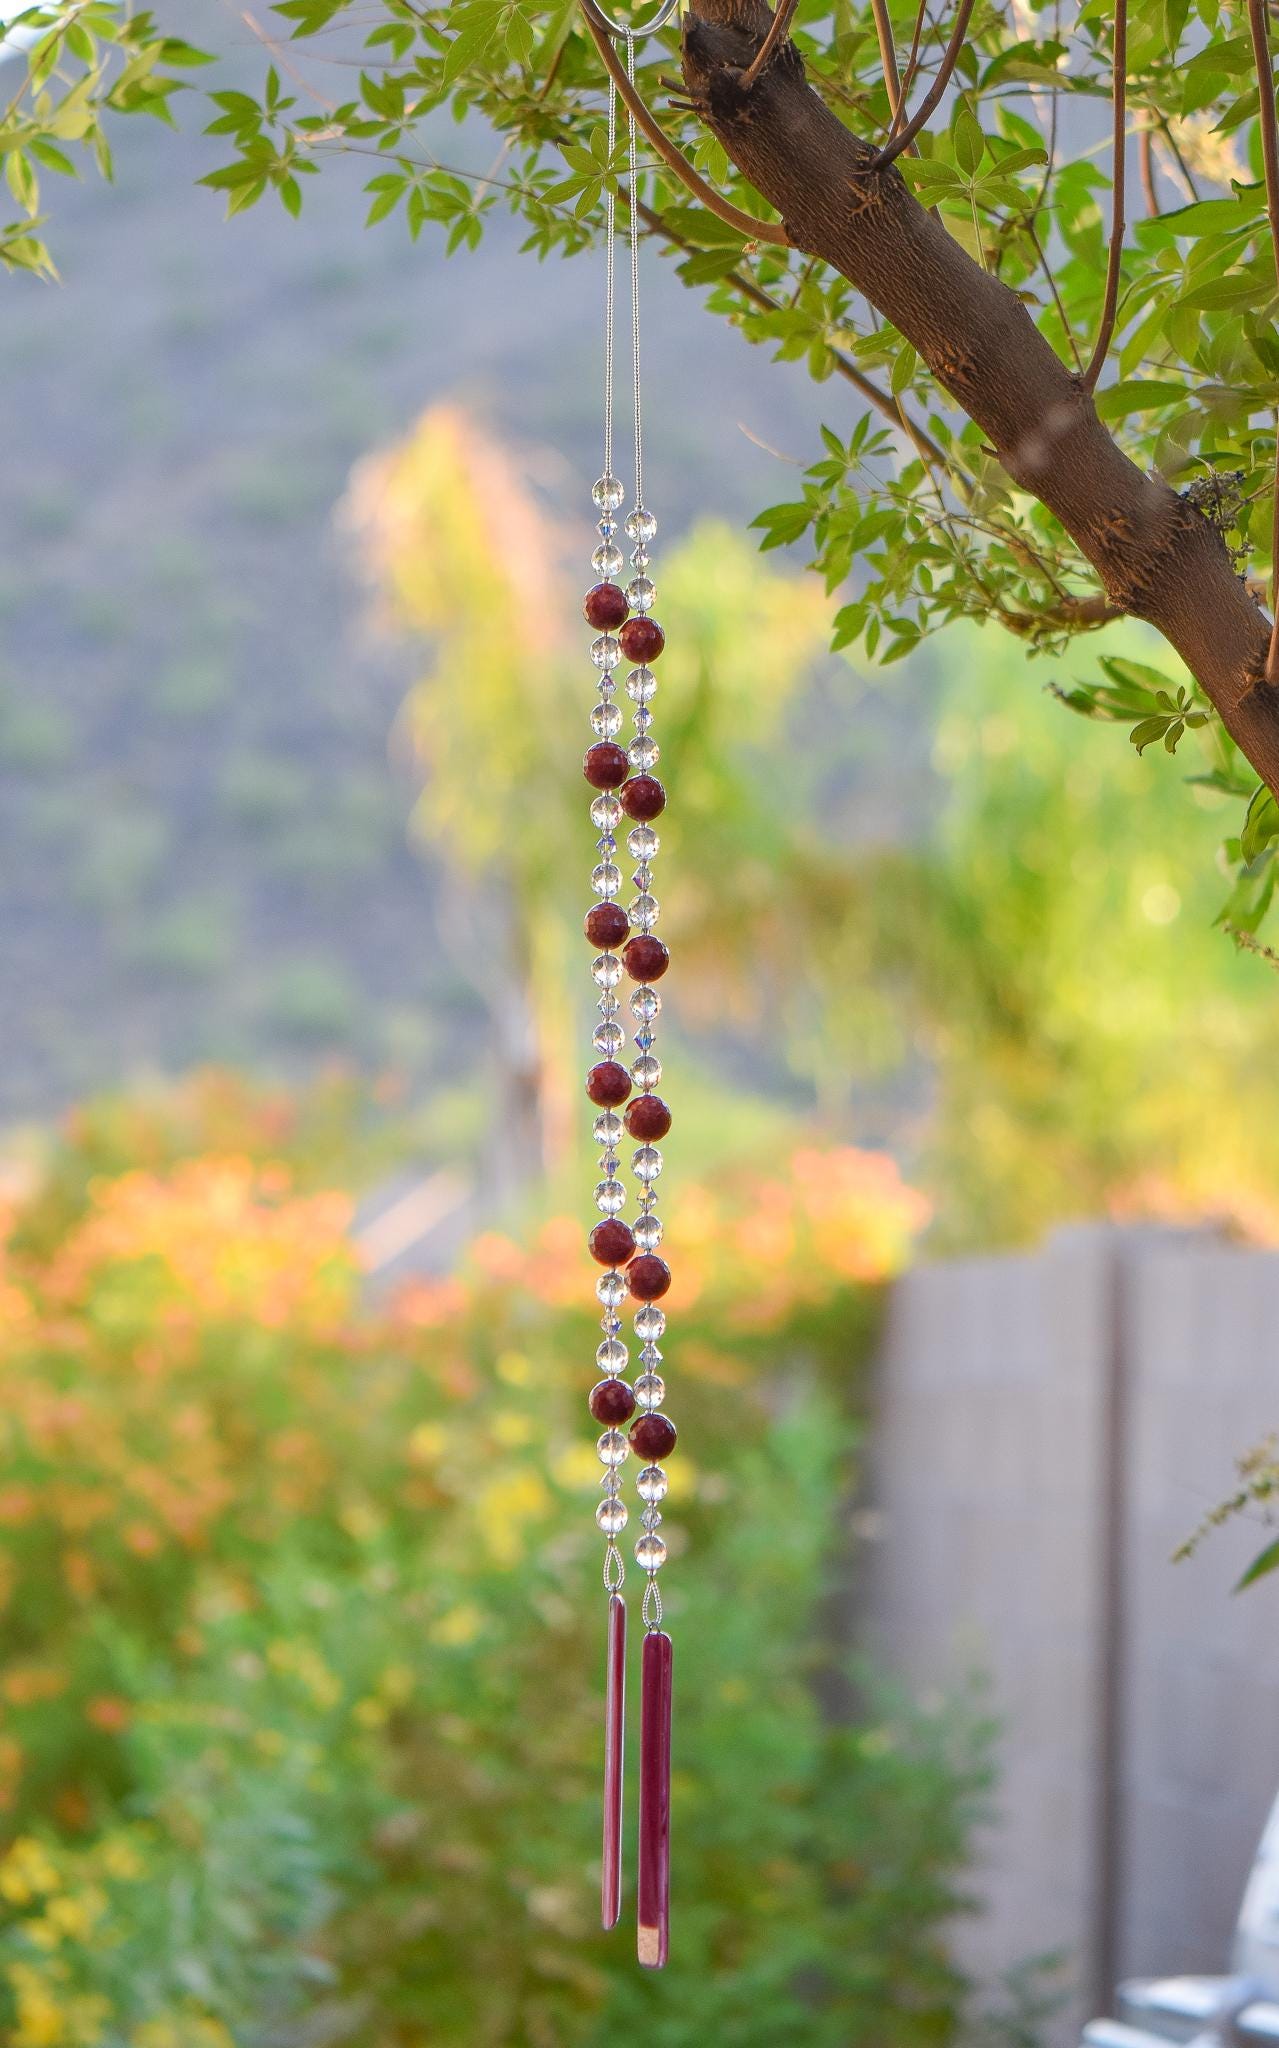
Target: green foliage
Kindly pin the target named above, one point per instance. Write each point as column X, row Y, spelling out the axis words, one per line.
column 301, row 1716
column 1256, row 1493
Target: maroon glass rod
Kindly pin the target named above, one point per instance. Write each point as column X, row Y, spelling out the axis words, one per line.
column 655, row 1800
column 614, row 1723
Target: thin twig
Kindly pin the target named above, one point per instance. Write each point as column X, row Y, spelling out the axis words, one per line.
column 887, row 55
column 1110, row 303
column 1147, row 157
column 932, row 98
column 1165, row 130
column 1259, row 26
column 746, row 224
column 1046, row 267
column 778, row 30
column 912, row 66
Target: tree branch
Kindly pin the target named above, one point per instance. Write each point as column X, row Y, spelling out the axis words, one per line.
column 745, row 223
column 932, row 98
column 778, row 29
column 1259, row 27
column 1110, row 302
column 1156, row 556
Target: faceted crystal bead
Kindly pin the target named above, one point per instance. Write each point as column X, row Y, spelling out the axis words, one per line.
column 608, row 493
column 645, row 1004
column 641, row 558
column 604, row 766
column 642, row 754
column 647, row 1071
column 650, row 1390
column 645, row 911
column 642, row 842
column 610, row 1196
column 645, row 959
column 611, row 1244
column 651, row 1483
column 642, row 796
column 643, row 718
column 641, row 685
column 610, row 1356
column 604, row 606
column 607, row 1128
column 612, row 1401
column 648, row 1235
column 650, row 1553
column 640, row 524
column 642, row 639
column 653, row 1435
column 646, row 1164
column 651, row 1518
column 647, row 1118
column 606, row 651
column 649, row 1276
column 608, row 1039
column 608, row 1084
column 605, row 813
column 650, row 1357
column 606, row 720
column 611, row 1483
column 608, row 1006
column 606, row 879
column 612, row 1447
column 611, row 1516
column 606, row 924
column 607, row 559
column 650, row 1320
column 640, row 594
column 612, row 1289
column 606, row 971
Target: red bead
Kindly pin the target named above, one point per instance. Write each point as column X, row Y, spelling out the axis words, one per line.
column 647, row 1118
column 612, row 1401
column 649, row 1277
column 642, row 639
column 605, row 765
column 611, row 1242
column 646, row 958
column 643, row 797
column 608, row 1083
column 652, row 1435
column 606, row 925
column 605, row 606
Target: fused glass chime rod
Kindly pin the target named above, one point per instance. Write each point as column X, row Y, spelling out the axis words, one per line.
column 655, row 1800
column 614, row 1726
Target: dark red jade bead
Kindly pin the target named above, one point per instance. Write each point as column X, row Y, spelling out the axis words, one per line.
column 608, row 1083
column 647, row 1118
column 606, row 925
column 605, row 606
column 643, row 797
column 642, row 639
column 612, row 1401
column 605, row 765
column 611, row 1242
column 646, row 958
column 649, row 1277
column 652, row 1435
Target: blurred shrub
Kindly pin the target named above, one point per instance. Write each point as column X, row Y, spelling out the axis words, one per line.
column 300, row 1734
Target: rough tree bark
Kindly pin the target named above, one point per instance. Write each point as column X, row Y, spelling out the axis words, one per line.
column 1156, row 555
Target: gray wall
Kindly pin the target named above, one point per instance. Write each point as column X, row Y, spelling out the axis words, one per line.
column 1050, row 1426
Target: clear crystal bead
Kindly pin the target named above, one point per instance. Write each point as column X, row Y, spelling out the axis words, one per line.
column 642, row 842
column 608, row 1006
column 650, row 1357
column 607, row 1128
column 640, row 594
column 607, row 560
column 645, row 911
column 640, row 524
column 646, row 1163
column 610, row 1196
column 646, row 1004
column 611, row 1324
column 609, row 1163
column 648, row 1235
column 650, row 1553
column 605, row 813
column 643, row 754
column 641, row 685
column 608, row 1039
column 651, row 1482
column 611, row 1484
column 606, row 651
column 613, row 1290
column 650, row 1321
column 606, row 879
column 650, row 1390
column 643, row 718
column 651, row 1518
column 612, row 1447
column 610, row 1356
column 646, row 1072
column 606, row 720
column 607, row 492
column 611, row 1516
column 606, row 844
column 641, row 558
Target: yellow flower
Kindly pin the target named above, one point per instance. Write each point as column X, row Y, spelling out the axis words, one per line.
column 427, row 1444
column 506, row 1506
column 457, row 1626
column 27, row 1872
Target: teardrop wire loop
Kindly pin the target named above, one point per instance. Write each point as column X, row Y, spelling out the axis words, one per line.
column 636, row 32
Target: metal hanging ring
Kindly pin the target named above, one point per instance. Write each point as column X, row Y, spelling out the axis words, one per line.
column 622, row 31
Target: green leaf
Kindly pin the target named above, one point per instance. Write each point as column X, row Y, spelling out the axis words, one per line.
column 1261, row 823
column 1266, row 1560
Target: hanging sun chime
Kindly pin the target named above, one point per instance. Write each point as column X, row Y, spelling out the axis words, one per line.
column 629, row 798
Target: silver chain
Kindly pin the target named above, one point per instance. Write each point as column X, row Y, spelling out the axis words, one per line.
column 610, row 230
column 610, row 269
column 633, row 153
